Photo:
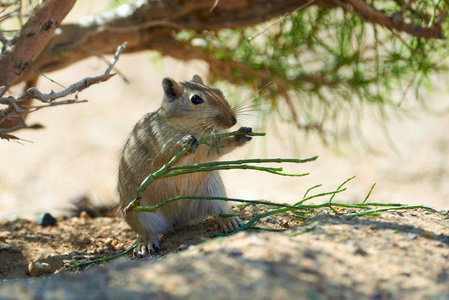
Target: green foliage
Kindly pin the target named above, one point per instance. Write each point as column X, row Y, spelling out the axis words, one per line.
column 327, row 61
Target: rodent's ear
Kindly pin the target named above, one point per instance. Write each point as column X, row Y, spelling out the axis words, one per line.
column 196, row 78
column 171, row 87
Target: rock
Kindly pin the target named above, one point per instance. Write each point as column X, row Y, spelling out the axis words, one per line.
column 268, row 220
column 39, row 268
column 428, row 234
column 183, row 247
column 45, row 220
column 109, row 242
column 84, row 216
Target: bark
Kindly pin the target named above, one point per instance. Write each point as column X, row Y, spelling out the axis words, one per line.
column 395, row 21
column 31, row 40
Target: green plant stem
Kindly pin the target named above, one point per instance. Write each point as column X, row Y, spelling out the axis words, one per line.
column 165, row 168
column 388, row 206
column 396, row 207
column 156, row 207
column 316, row 196
column 245, row 161
column 369, row 193
column 266, row 229
column 432, row 18
column 311, row 188
column 297, row 206
column 228, row 215
column 305, row 230
column 289, row 207
column 200, row 168
column 340, row 186
column 104, row 259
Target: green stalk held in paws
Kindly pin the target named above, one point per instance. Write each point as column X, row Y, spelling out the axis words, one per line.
column 168, row 170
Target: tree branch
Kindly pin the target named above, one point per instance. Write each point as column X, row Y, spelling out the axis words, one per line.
column 17, row 107
column 396, row 21
column 31, row 40
column 146, row 25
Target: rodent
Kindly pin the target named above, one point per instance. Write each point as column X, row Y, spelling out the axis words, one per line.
column 189, row 111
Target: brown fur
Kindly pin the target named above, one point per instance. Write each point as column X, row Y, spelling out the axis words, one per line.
column 159, row 136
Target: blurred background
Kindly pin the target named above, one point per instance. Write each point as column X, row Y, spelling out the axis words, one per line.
column 77, row 152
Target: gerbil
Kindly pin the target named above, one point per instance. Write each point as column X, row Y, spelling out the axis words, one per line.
column 189, row 111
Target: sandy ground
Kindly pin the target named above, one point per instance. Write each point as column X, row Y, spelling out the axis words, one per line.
column 397, row 255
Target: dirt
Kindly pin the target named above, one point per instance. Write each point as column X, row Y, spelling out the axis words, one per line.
column 396, row 255
column 74, row 240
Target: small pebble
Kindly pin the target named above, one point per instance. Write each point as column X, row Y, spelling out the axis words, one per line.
column 234, row 253
column 39, row 268
column 183, row 247
column 109, row 242
column 284, row 223
column 84, row 216
column 268, row 220
column 360, row 251
column 406, row 271
column 83, row 256
column 120, row 247
column 45, row 220
column 252, row 208
column 428, row 234
column 5, row 234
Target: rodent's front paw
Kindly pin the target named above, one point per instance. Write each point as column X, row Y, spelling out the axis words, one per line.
column 241, row 139
column 189, row 140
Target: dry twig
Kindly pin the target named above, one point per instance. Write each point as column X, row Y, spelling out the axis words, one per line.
column 17, row 105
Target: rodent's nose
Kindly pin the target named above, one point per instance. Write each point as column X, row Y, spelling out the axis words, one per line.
column 233, row 120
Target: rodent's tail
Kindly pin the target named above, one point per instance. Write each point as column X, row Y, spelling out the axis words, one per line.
column 94, row 210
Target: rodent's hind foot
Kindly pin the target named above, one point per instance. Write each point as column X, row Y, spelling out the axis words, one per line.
column 230, row 224
column 146, row 248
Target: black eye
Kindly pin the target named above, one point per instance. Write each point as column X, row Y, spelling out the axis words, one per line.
column 196, row 99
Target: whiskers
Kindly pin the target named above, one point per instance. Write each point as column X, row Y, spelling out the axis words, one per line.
column 209, row 130
column 206, row 129
column 247, row 108
column 252, row 106
column 249, row 111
